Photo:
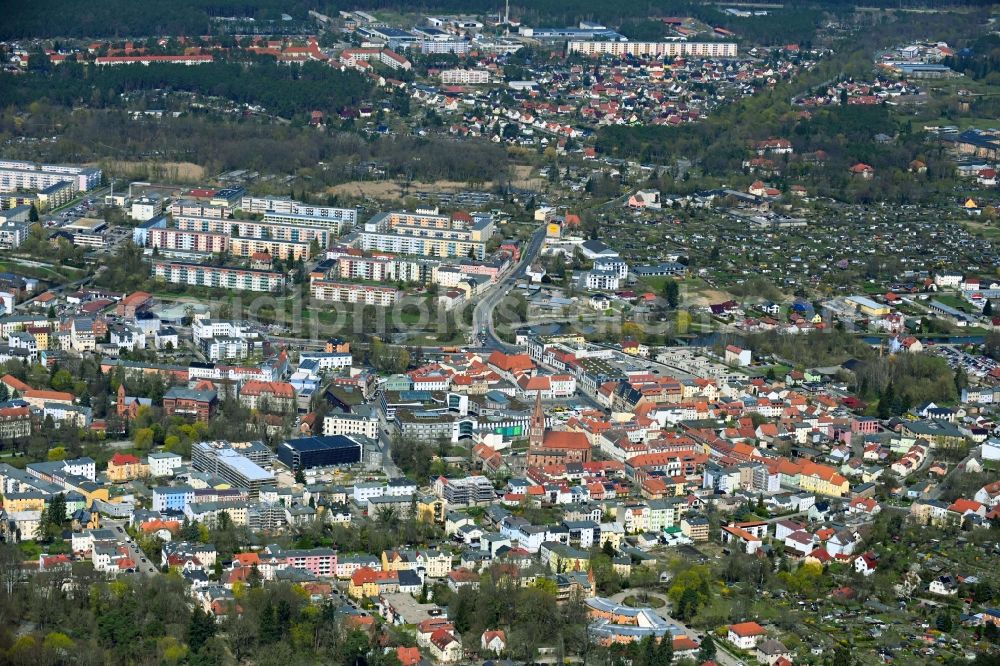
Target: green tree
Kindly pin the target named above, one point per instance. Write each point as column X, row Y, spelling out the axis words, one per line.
column 201, row 627
column 842, row 657
column 53, row 518
column 664, row 651
column 33, row 214
column 961, row 379
column 268, row 630
column 672, row 293
column 707, row 650
column 885, row 403
column 943, row 621
column 143, row 438
column 648, row 649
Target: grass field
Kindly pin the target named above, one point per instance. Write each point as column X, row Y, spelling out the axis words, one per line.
column 982, row 228
column 62, row 274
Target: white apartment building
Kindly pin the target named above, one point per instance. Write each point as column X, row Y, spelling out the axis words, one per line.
column 219, row 277
column 654, row 49
column 614, row 265
column 427, row 234
column 350, row 424
column 146, row 208
column 339, row 292
column 17, row 175
column 164, row 463
column 603, row 280
column 192, row 208
column 464, row 77
column 219, row 348
column 188, row 241
column 206, row 329
column 384, row 269
column 328, row 360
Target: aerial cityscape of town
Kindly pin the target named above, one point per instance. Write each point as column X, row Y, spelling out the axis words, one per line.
column 497, row 332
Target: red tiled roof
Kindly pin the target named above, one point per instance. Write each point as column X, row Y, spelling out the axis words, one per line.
column 744, row 629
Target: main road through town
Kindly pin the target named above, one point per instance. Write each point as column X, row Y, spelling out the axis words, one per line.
column 483, row 329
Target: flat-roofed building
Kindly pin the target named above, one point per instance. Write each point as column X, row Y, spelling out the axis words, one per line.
column 309, row 452
column 654, row 49
column 188, row 241
column 427, row 234
column 17, row 175
column 228, row 462
column 218, row 277
column 341, row 292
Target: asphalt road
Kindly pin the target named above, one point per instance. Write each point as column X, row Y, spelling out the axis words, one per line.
column 482, row 315
column 143, row 565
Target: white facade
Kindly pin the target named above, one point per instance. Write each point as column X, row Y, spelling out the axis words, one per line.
column 655, row 49
column 465, row 76
column 164, row 463
column 16, row 175
column 350, row 424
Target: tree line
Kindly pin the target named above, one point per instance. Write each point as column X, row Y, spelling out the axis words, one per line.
column 257, row 80
column 146, row 620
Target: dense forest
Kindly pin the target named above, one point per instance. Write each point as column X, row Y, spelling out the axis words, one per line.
column 326, row 158
column 121, row 18
column 981, row 60
column 283, row 91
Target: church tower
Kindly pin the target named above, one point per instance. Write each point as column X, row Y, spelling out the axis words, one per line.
column 536, row 431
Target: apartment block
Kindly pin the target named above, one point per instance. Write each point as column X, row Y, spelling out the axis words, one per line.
column 262, row 205
column 427, row 234
column 470, row 491
column 385, row 269
column 339, row 292
column 188, row 241
column 284, row 250
column 465, row 77
column 219, row 277
column 654, row 49
column 194, row 208
column 17, row 175
column 350, row 424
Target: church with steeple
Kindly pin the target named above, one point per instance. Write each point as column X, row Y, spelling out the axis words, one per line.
column 536, row 428
column 554, row 447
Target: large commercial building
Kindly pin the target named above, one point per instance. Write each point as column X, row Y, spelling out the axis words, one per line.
column 231, row 463
column 427, row 234
column 654, row 49
column 16, row 175
column 309, row 452
column 219, row 277
column 341, row 292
